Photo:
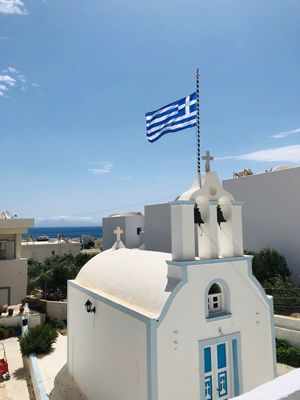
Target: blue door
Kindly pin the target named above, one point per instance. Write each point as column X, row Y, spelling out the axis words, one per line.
column 217, row 371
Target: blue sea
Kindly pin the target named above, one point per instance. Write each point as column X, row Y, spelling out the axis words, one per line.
column 68, row 231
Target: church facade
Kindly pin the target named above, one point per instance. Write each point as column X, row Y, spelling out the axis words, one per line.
column 190, row 324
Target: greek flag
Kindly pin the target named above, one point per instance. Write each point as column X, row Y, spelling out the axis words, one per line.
column 173, row 117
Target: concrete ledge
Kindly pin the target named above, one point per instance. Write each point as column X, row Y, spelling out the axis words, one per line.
column 32, row 365
column 36, row 378
column 290, row 336
column 16, row 320
column 287, row 322
column 286, row 387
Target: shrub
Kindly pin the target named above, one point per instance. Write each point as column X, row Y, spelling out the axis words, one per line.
column 267, row 264
column 39, row 340
column 2, row 333
column 6, row 333
column 287, row 354
column 52, row 275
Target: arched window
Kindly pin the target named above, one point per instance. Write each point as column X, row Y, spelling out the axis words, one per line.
column 215, row 299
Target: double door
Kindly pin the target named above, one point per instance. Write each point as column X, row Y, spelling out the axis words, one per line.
column 219, row 369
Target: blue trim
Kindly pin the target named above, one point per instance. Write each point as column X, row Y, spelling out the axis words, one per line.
column 237, row 203
column 111, row 303
column 182, row 202
column 237, row 361
column 213, row 202
column 152, row 359
column 221, row 355
column 218, row 317
column 173, row 294
column 210, row 261
column 269, row 301
column 208, row 380
column 235, row 367
column 224, row 376
column 207, row 359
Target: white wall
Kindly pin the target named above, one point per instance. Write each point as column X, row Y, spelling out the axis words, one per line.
column 40, row 251
column 185, row 325
column 107, row 351
column 13, row 274
column 270, row 212
column 128, row 224
column 158, row 227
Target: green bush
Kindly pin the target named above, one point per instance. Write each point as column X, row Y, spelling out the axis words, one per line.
column 268, row 264
column 39, row 340
column 51, row 276
column 6, row 333
column 287, row 354
column 2, row 333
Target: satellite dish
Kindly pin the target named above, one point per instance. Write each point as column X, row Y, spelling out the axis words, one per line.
column 7, row 215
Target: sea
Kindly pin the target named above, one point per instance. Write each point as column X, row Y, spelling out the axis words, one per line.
column 70, row 232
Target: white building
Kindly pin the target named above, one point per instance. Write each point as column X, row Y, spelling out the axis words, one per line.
column 173, row 326
column 270, row 212
column 132, row 224
column 40, row 250
column 13, row 267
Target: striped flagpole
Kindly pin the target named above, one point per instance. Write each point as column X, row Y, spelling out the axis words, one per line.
column 198, row 128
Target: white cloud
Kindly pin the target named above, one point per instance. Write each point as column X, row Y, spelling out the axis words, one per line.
column 68, row 218
column 281, row 135
column 101, row 168
column 11, row 78
column 278, row 154
column 12, row 70
column 8, row 80
column 12, row 7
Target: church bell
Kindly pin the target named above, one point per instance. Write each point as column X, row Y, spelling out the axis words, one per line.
column 220, row 216
column 197, row 216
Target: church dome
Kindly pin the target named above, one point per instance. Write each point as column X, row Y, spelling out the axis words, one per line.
column 134, row 278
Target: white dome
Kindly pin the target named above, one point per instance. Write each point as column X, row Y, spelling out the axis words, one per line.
column 131, row 277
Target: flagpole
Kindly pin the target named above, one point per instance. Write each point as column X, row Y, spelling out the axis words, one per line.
column 198, row 128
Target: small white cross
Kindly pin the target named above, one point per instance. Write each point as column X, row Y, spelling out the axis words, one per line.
column 187, row 106
column 207, row 159
column 118, row 232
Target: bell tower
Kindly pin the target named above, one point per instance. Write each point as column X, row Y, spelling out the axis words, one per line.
column 217, row 217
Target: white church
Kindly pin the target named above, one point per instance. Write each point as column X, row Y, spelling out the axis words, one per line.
column 188, row 323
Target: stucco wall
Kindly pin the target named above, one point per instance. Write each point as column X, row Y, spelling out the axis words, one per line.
column 158, row 227
column 13, row 274
column 16, row 320
column 270, row 212
column 40, row 251
column 107, row 351
column 185, row 325
column 128, row 224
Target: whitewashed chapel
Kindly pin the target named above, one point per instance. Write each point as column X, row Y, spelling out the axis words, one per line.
column 191, row 324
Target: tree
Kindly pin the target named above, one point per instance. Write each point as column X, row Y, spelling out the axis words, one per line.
column 268, row 264
column 51, row 276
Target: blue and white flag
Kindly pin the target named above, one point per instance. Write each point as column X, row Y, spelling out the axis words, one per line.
column 173, row 117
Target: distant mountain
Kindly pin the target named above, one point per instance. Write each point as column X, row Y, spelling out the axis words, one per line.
column 64, row 222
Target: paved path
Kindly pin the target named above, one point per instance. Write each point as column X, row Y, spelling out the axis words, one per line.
column 19, row 386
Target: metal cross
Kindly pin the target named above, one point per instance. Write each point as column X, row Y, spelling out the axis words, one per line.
column 207, row 159
column 118, row 231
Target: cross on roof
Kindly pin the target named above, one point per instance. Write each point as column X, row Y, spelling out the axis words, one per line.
column 118, row 232
column 207, row 159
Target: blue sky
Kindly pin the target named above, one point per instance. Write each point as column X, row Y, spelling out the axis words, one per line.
column 76, row 79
